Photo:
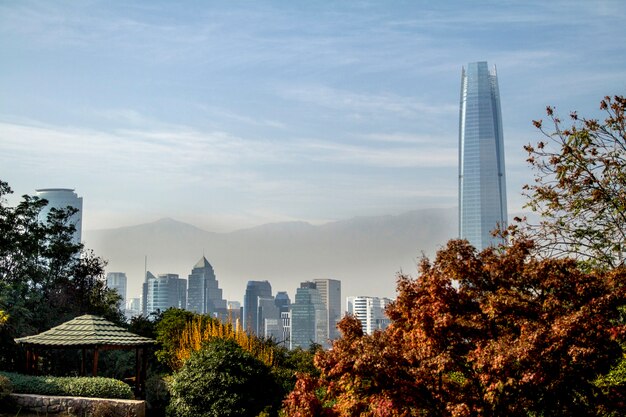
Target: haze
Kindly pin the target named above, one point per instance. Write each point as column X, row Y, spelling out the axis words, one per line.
column 228, row 115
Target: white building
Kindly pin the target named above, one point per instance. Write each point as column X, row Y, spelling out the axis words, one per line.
column 370, row 311
column 62, row 198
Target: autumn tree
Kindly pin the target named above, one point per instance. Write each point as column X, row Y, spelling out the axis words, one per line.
column 477, row 334
column 580, row 186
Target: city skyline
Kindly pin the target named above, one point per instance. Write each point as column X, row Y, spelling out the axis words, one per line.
column 228, row 116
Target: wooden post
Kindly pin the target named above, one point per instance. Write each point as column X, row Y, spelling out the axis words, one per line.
column 28, row 360
column 95, row 361
column 82, row 365
column 144, row 370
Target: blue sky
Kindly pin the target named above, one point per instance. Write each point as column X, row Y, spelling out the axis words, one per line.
column 232, row 114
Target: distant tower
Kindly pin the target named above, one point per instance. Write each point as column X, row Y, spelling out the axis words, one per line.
column 164, row 291
column 309, row 320
column 117, row 281
column 62, row 198
column 482, row 181
column 330, row 292
column 254, row 290
column 203, row 293
column 370, row 311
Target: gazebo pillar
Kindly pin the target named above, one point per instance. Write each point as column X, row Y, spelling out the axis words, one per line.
column 95, row 361
column 82, row 364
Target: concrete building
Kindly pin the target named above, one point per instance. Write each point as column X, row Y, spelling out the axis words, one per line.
column 330, row 293
column 370, row 311
column 482, row 179
column 62, row 198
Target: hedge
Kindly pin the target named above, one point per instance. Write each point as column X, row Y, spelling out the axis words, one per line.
column 97, row 387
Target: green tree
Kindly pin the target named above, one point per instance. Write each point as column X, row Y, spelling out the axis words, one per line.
column 478, row 334
column 223, row 380
column 580, row 186
column 45, row 278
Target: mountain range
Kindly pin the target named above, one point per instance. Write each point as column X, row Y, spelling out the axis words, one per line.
column 365, row 253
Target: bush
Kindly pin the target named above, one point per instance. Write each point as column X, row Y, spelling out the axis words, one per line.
column 222, row 379
column 69, row 386
column 5, row 387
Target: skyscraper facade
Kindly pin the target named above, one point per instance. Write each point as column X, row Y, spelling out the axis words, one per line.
column 62, row 198
column 254, row 290
column 118, row 282
column 165, row 291
column 309, row 321
column 370, row 311
column 482, row 180
column 203, row 293
column 330, row 293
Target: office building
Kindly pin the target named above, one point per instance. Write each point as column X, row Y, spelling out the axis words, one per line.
column 370, row 311
column 482, row 180
column 330, row 293
column 282, row 301
column 61, row 198
column 268, row 316
column 133, row 308
column 309, row 320
column 254, row 290
column 234, row 313
column 164, row 291
column 117, row 281
column 203, row 293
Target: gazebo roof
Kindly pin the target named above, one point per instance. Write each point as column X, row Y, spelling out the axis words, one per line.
column 86, row 330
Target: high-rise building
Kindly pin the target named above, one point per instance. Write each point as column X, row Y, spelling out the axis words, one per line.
column 270, row 324
column 309, row 320
column 133, row 308
column 164, row 291
column 254, row 290
column 370, row 311
column 282, row 301
column 117, row 281
column 482, row 180
column 203, row 293
column 330, row 293
column 61, row 198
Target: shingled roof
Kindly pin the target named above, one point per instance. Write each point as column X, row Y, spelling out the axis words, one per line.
column 86, row 330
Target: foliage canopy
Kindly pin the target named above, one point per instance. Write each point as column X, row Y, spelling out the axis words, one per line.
column 489, row 334
column 580, row 186
column 45, row 278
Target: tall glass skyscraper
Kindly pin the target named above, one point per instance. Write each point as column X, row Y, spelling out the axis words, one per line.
column 482, row 180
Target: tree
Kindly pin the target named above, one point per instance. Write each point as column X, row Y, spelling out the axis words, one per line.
column 223, row 380
column 580, row 186
column 45, row 278
column 489, row 334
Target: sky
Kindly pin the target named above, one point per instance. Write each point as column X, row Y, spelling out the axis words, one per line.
column 231, row 114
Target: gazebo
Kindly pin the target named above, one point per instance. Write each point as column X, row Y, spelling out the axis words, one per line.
column 94, row 333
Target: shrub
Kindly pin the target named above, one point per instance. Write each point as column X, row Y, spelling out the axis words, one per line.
column 222, row 379
column 70, row 386
column 5, row 387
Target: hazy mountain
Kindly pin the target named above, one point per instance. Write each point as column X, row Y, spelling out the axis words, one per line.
column 365, row 253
